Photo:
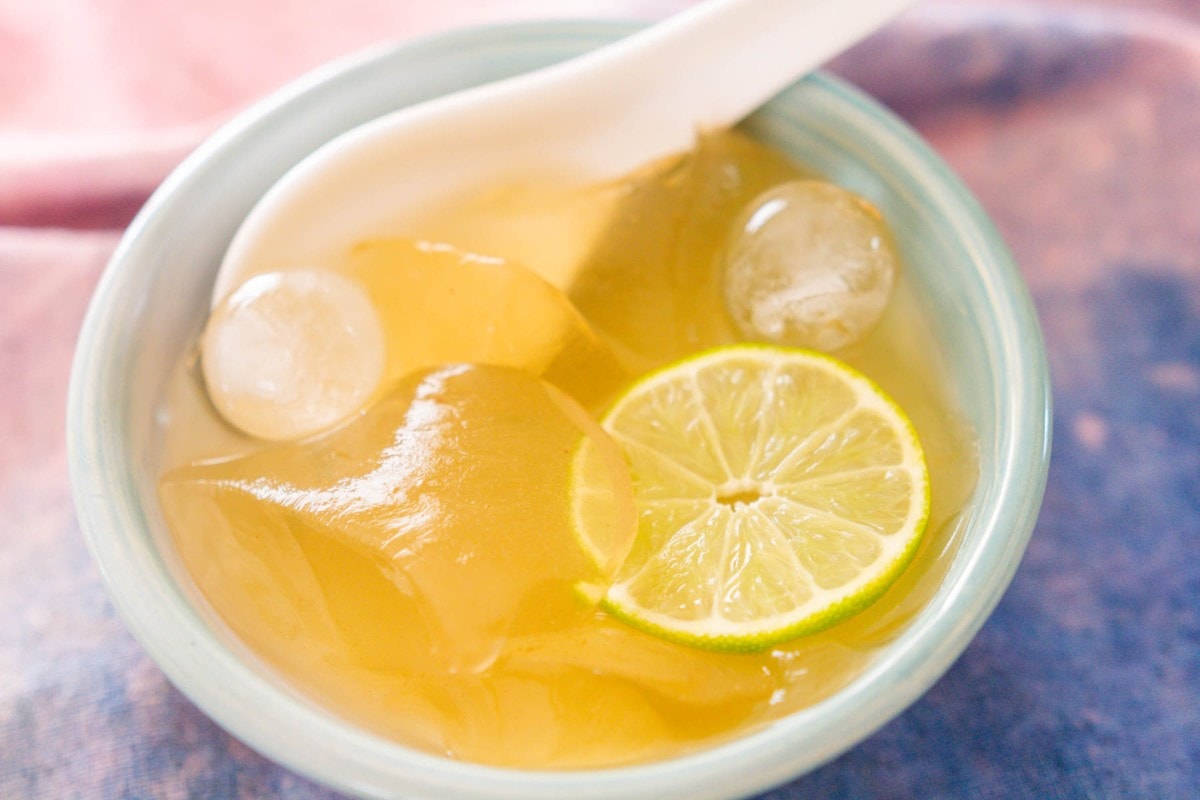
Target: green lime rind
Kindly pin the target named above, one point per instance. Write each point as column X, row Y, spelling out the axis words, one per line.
column 821, row 620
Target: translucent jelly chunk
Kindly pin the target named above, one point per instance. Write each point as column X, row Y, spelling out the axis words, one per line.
column 441, row 520
column 812, row 265
column 289, row 354
column 440, row 305
column 651, row 284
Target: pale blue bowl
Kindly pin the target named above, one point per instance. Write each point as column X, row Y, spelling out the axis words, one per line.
column 152, row 300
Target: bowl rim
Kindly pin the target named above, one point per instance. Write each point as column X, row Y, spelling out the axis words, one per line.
column 331, row 751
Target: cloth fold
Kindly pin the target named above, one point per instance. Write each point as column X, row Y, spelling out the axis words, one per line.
column 99, row 100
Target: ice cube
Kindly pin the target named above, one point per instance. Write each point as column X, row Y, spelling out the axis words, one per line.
column 810, row 265
column 290, row 354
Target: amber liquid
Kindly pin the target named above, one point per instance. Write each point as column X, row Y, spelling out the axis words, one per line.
column 566, row 686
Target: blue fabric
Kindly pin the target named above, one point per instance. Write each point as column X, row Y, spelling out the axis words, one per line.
column 1085, row 681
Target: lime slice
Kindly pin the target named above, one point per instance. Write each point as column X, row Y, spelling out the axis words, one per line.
column 779, row 491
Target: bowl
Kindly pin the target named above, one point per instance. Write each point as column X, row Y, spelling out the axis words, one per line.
column 153, row 297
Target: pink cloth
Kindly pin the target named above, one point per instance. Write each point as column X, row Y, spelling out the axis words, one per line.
column 100, row 99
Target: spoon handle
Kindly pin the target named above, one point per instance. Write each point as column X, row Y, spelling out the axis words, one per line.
column 708, row 67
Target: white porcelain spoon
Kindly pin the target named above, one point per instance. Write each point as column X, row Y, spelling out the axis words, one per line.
column 599, row 115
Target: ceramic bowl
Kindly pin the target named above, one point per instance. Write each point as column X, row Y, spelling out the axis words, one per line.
column 150, row 306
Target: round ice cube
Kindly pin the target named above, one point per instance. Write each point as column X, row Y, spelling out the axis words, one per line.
column 290, row 354
column 810, row 265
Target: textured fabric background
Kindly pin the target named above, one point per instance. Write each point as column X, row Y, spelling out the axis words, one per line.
column 1076, row 123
